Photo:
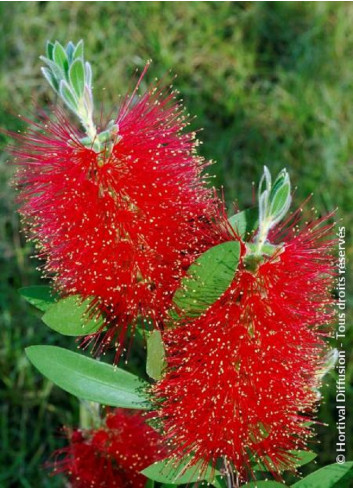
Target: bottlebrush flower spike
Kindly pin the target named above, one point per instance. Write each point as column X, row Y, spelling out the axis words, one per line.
column 111, row 456
column 242, row 378
column 118, row 215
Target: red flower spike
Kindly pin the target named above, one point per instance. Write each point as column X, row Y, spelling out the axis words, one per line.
column 111, row 456
column 242, row 381
column 123, row 225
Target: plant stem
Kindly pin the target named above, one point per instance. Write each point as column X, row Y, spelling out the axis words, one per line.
column 232, row 478
column 262, row 235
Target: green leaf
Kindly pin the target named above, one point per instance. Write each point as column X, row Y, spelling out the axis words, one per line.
column 265, row 182
column 40, row 296
column 264, row 484
column 166, row 472
column 281, row 177
column 244, row 222
column 300, row 457
column 89, row 379
column 55, row 70
column 280, row 197
column 220, row 481
column 327, row 476
column 208, row 278
column 50, row 78
column 60, row 57
column 155, row 355
column 78, row 53
column 88, row 74
column 68, row 95
column 280, row 201
column 77, row 76
column 70, row 48
column 70, row 317
column 49, row 49
column 303, row 457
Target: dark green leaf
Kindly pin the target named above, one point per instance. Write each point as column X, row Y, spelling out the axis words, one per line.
column 220, row 481
column 77, row 76
column 303, row 457
column 40, row 296
column 166, row 472
column 49, row 49
column 70, row 317
column 264, row 484
column 208, row 278
column 155, row 355
column 327, row 476
column 300, row 457
column 245, row 222
column 88, row 379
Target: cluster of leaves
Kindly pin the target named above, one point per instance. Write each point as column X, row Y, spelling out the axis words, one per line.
column 100, row 382
column 70, row 77
column 93, row 380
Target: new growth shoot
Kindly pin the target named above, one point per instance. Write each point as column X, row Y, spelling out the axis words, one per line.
column 70, row 76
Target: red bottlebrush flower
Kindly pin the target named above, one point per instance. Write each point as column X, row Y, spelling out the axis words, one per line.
column 120, row 226
column 111, row 456
column 242, row 378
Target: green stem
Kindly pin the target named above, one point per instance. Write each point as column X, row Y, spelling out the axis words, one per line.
column 261, row 238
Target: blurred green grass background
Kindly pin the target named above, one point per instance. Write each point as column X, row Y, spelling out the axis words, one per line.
column 270, row 83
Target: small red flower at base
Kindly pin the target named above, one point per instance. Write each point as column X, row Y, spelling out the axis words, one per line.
column 119, row 226
column 242, row 378
column 111, row 456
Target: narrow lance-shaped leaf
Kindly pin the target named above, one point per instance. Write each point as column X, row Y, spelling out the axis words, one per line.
column 39, row 296
column 71, row 317
column 50, row 78
column 329, row 476
column 167, row 472
column 55, row 70
column 70, row 48
column 77, row 77
column 78, row 52
column 300, row 457
column 269, row 484
column 60, row 57
column 50, row 49
column 280, row 202
column 208, row 278
column 89, row 379
column 281, row 177
column 68, row 96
